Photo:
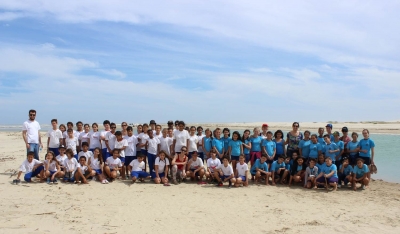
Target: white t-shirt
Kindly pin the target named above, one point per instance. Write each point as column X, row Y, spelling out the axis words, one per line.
column 200, row 148
column 153, row 144
column 158, row 136
column 113, row 163
column 61, row 159
column 95, row 163
column 87, row 154
column 94, row 140
column 193, row 140
column 143, row 139
column 136, row 165
column 120, row 145
column 71, row 143
column 242, row 169
column 103, row 142
column 32, row 131
column 227, row 171
column 71, row 164
column 165, row 144
column 75, row 133
column 196, row 164
column 55, row 136
column 130, row 150
column 110, row 137
column 83, row 168
column 213, row 163
column 27, row 167
column 52, row 166
column 84, row 137
column 161, row 164
column 181, row 138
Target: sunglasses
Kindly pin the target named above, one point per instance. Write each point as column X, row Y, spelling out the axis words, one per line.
column 296, row 126
column 184, row 150
column 113, row 127
column 32, row 114
column 124, row 125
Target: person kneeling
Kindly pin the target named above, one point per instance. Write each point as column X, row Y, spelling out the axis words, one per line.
column 360, row 174
column 31, row 167
column 241, row 172
column 195, row 168
column 113, row 165
column 224, row 173
column 328, row 175
column 160, row 170
column 137, row 169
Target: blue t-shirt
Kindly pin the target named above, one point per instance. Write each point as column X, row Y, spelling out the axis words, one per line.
column 340, row 145
column 331, row 146
column 352, row 146
column 246, row 150
column 235, row 147
column 258, row 164
column 275, row 166
column 299, row 168
column 360, row 171
column 226, row 143
column 347, row 170
column 321, row 140
column 255, row 143
column 219, row 144
column 207, row 143
column 287, row 166
column 270, row 146
column 326, row 170
column 366, row 144
column 315, row 149
column 279, row 146
column 305, row 148
column 320, row 167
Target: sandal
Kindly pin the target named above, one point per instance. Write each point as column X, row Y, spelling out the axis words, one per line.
column 167, row 184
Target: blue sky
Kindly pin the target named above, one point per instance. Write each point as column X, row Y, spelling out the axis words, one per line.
column 200, row 61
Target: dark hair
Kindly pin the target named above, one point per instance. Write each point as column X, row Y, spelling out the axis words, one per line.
column 32, row 111
column 306, row 132
column 360, row 159
column 312, row 159
column 276, row 133
column 113, row 124
column 314, row 135
column 85, row 144
column 176, row 122
column 116, row 150
column 223, row 158
column 158, row 125
column 100, row 154
column 70, row 130
column 354, row 133
column 181, row 123
column 247, row 130
column 118, row 133
column 236, row 133
column 295, row 123
column 79, row 122
column 95, row 124
column 129, row 128
column 86, row 125
column 281, row 156
column 149, row 130
column 62, row 125
column 199, row 127
column 145, row 125
column 187, row 129
column 106, row 122
column 227, row 129
column 53, row 120
column 192, row 127
column 82, row 157
column 70, row 123
column 69, row 152
column 345, row 158
column 140, row 155
column 269, row 132
column 264, row 155
column 163, row 152
column 30, row 153
column 217, row 129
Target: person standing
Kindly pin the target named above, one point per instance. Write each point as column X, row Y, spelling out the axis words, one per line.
column 31, row 134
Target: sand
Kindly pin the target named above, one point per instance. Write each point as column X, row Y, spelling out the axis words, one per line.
column 187, row 208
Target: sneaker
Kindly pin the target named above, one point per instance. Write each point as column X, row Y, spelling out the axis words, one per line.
column 175, row 182
column 230, row 186
column 48, row 180
column 55, row 181
column 339, row 186
column 94, row 178
column 14, row 182
column 65, row 179
column 18, row 181
column 220, row 184
column 363, row 187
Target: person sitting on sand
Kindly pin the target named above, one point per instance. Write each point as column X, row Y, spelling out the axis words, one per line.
column 83, row 172
column 345, row 171
column 297, row 171
column 70, row 165
column 161, row 166
column 212, row 163
column 31, row 167
column 311, row 174
column 241, row 172
column 260, row 170
column 360, row 175
column 51, row 168
column 195, row 168
column 137, row 169
column 179, row 165
column 96, row 165
column 113, row 165
column 224, row 173
column 278, row 170
column 328, row 175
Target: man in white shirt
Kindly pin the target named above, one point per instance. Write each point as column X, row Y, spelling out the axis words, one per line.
column 54, row 138
column 31, row 134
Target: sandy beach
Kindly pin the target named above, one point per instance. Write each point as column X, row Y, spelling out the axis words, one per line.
column 190, row 208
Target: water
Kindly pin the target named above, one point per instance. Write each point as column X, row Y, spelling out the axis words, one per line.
column 386, row 158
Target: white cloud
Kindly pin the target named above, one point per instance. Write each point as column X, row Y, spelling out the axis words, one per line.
column 113, row 72
column 9, row 16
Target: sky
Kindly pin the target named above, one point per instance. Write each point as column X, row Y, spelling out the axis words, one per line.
column 199, row 61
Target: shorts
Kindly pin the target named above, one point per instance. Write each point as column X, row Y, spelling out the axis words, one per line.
column 197, row 173
column 161, row 175
column 122, row 159
column 190, row 155
column 98, row 171
column 352, row 158
column 201, row 155
column 329, row 180
column 52, row 172
column 236, row 158
column 129, row 159
column 242, row 177
column 224, row 177
column 76, row 157
column 104, row 153
column 255, row 155
column 247, row 157
column 144, row 152
column 55, row 151
column 28, row 176
column 367, row 160
column 280, row 174
column 139, row 174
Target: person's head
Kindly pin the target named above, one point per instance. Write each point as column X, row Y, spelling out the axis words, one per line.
column 158, row 129
column 256, row 132
column 280, row 159
column 208, row 132
column 264, row 127
column 345, row 161
column 187, row 128
column 118, row 135
column 79, row 126
column 150, row 133
column 95, row 127
column 360, row 162
column 192, row 130
column 145, row 128
column 183, row 150
column 62, row 128
column 336, row 135
column 124, row 125
column 278, row 134
column 236, row 136
column 86, row 127
column 140, row 157
column 97, row 154
column 32, row 114
column 69, row 153
column 287, row 160
column 70, row 133
column 246, row 134
column 199, row 130
column 30, row 156
column 61, row 149
column 321, row 159
column 54, row 123
column 299, row 160
column 263, row 158
column 162, row 154
column 345, row 131
column 82, row 160
column 176, row 124
column 241, row 158
column 312, row 162
column 170, row 132
column 354, row 135
column 50, row 156
column 194, row 155
column 327, row 139
column 321, row 131
column 328, row 161
column 225, row 161
column 295, row 126
column 328, row 128
column 213, row 153
column 365, row 133
column 153, row 124
column 269, row 135
column 307, row 134
column 139, row 129
column 106, row 125
column 314, row 138
column 85, row 146
column 226, row 132
column 294, row 156
column 115, row 153
column 217, row 133
column 113, row 127
column 129, row 131
column 170, row 124
column 70, row 125
column 181, row 125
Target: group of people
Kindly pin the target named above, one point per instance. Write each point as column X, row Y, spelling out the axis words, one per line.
column 181, row 153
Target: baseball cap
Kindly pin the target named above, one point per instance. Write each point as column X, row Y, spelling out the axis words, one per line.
column 265, row 125
column 152, row 122
column 345, row 129
column 329, row 125
column 336, row 133
column 61, row 146
column 170, row 122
